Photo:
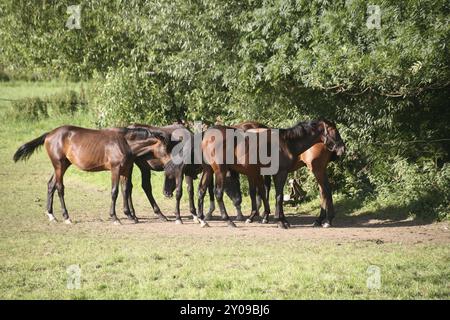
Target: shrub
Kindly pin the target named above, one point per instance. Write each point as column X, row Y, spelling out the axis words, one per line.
column 125, row 96
column 3, row 75
column 36, row 108
column 424, row 190
column 67, row 102
column 30, row 109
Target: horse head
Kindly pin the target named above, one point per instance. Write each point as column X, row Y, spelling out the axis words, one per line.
column 331, row 137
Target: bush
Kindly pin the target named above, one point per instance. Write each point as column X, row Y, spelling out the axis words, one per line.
column 30, row 109
column 67, row 102
column 125, row 96
column 424, row 190
column 36, row 108
column 4, row 76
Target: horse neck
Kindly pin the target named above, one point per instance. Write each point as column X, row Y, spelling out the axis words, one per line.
column 299, row 145
column 140, row 147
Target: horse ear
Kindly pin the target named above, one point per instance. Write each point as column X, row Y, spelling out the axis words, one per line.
column 321, row 126
column 132, row 135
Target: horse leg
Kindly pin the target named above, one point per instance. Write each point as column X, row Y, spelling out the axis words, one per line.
column 127, row 190
column 203, row 185
column 50, row 193
column 212, row 204
column 280, row 180
column 322, row 215
column 326, row 201
column 220, row 179
column 126, row 209
column 190, row 190
column 130, row 201
column 252, row 193
column 233, row 191
column 178, row 195
column 147, row 187
column 329, row 206
column 267, row 182
column 115, row 177
column 60, row 169
column 261, row 190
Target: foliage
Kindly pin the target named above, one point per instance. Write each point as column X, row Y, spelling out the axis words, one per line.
column 4, row 76
column 420, row 188
column 126, row 96
column 37, row 108
column 67, row 102
column 30, row 109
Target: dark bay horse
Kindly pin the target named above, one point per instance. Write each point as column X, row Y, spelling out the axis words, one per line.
column 232, row 186
column 174, row 174
column 315, row 159
column 291, row 143
column 92, row 150
column 173, row 179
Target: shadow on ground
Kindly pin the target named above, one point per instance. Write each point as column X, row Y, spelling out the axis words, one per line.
column 349, row 214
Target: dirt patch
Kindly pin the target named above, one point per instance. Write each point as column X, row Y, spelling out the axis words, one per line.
column 347, row 229
column 363, row 228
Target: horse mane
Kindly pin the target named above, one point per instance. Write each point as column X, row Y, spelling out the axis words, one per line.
column 300, row 130
column 143, row 133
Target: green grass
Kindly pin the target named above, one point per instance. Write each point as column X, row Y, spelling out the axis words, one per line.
column 166, row 261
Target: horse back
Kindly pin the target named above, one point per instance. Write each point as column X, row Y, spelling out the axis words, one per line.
column 88, row 149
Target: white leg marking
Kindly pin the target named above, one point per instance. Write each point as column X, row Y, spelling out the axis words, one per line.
column 204, row 224
column 51, row 217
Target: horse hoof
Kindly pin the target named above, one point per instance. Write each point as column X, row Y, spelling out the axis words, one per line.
column 195, row 219
column 231, row 224
column 204, row 224
column 67, row 221
column 264, row 221
column 162, row 217
column 208, row 216
column 248, row 221
column 239, row 218
column 316, row 224
column 281, row 225
column 136, row 220
column 178, row 221
column 51, row 218
column 326, row 225
column 117, row 223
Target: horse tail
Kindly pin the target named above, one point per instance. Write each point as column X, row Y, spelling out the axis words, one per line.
column 26, row 150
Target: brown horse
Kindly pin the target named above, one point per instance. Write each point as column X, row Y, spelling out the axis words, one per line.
column 92, row 150
column 174, row 174
column 315, row 159
column 232, row 186
column 291, row 143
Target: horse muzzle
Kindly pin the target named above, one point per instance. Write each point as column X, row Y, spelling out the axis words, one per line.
column 340, row 150
column 168, row 194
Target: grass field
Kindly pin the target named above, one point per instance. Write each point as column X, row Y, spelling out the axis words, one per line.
column 155, row 260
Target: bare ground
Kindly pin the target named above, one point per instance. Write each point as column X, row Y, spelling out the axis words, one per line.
column 348, row 229
column 345, row 228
